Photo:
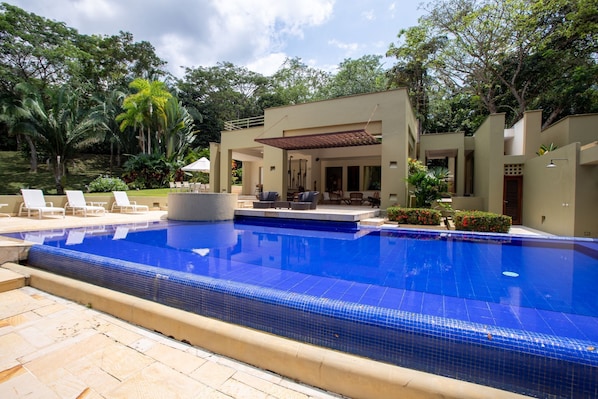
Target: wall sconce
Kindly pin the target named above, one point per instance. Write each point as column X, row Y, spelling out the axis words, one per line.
column 552, row 164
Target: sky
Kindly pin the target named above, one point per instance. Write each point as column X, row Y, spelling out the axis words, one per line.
column 256, row 34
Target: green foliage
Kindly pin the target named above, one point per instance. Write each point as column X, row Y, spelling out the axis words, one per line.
column 544, row 149
column 482, row 221
column 422, row 216
column 363, row 75
column 106, row 184
column 428, row 185
column 148, row 171
column 145, row 110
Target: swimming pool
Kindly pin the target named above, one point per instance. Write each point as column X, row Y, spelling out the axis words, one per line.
column 515, row 313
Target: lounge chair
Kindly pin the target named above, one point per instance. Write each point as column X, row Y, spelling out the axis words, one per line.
column 122, row 203
column 33, row 201
column 266, row 199
column 76, row 201
column 307, row 200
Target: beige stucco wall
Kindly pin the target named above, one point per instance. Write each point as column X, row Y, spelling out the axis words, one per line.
column 549, row 193
column 586, row 201
column 489, row 163
column 574, row 128
column 388, row 113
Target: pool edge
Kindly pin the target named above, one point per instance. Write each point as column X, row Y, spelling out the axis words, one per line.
column 327, row 369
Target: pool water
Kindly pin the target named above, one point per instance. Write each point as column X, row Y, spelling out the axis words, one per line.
column 496, row 287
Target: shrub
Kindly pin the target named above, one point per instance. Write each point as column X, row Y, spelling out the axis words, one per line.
column 147, row 171
column 423, row 216
column 105, row 184
column 481, row 221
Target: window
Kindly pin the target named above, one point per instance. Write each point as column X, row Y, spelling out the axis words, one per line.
column 372, row 178
column 353, row 178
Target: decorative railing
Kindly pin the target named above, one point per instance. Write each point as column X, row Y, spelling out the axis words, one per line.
column 244, row 123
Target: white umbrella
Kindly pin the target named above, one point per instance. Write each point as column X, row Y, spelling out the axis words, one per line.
column 201, row 165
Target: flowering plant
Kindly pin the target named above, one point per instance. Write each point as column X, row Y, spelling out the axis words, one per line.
column 482, row 221
column 423, row 216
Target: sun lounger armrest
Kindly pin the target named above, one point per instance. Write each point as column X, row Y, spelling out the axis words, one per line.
column 49, row 203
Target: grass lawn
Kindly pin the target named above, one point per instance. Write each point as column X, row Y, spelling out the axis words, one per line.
column 15, row 174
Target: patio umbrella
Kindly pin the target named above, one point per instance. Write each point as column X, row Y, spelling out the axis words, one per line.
column 201, row 165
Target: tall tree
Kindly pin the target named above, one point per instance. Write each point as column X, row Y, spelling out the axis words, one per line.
column 145, row 110
column 416, row 52
column 35, row 50
column 357, row 76
column 221, row 93
column 499, row 49
column 295, row 82
column 60, row 128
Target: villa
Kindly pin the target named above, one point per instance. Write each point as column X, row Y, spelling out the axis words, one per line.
column 362, row 144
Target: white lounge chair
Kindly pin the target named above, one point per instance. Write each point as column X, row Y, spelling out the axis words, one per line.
column 122, row 203
column 34, row 201
column 76, row 201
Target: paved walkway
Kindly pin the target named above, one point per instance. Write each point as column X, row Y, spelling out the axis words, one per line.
column 51, row 348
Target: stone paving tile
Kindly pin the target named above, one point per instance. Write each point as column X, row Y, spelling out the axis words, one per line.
column 52, row 348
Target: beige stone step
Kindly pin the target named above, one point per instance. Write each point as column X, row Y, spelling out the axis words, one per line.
column 10, row 280
column 372, row 222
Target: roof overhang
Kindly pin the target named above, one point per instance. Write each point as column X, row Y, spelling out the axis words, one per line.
column 349, row 138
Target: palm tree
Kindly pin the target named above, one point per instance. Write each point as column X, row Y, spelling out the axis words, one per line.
column 59, row 128
column 17, row 119
column 179, row 130
column 144, row 110
column 108, row 106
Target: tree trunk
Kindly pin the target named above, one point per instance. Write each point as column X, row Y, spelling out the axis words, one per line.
column 33, row 154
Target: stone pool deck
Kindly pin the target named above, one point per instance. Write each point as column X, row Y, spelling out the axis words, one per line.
column 53, row 346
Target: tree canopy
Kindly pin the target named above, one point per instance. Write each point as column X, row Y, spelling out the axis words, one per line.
column 463, row 60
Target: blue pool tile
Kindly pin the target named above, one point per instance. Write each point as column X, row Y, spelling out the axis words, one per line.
column 485, row 328
column 433, row 305
column 392, row 298
column 412, row 301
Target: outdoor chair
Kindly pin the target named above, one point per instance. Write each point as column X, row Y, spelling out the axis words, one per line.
column 374, row 200
column 354, row 199
column 266, row 199
column 34, row 201
column 307, row 200
column 335, row 197
column 76, row 201
column 122, row 203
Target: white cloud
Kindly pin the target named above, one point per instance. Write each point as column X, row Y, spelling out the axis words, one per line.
column 369, row 15
column 268, row 64
column 349, row 48
column 258, row 34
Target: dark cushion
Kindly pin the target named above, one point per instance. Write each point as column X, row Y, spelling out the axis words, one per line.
column 268, row 196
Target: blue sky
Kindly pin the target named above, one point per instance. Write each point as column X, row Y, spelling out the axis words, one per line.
column 257, row 34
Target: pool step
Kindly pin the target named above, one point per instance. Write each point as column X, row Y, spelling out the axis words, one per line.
column 10, row 280
column 372, row 222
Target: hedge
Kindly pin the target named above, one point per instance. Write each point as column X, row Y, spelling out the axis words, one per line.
column 423, row 216
column 481, row 221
